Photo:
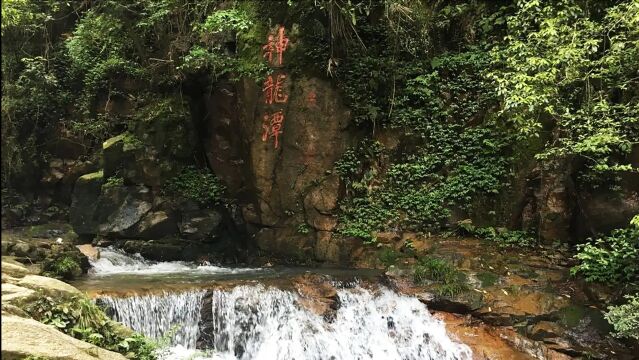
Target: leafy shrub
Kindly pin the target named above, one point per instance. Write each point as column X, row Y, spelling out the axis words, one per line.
column 65, row 266
column 84, row 320
column 449, row 281
column 613, row 258
column 625, row 318
column 199, row 185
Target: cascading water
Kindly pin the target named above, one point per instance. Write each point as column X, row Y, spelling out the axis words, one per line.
column 255, row 322
column 176, row 315
column 113, row 261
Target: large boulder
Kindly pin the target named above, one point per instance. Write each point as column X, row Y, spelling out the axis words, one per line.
column 15, row 294
column 603, row 211
column 48, row 286
column 156, row 147
column 200, row 224
column 14, row 269
column 121, row 207
column 280, row 187
column 154, row 225
column 62, row 174
column 22, row 338
column 84, row 203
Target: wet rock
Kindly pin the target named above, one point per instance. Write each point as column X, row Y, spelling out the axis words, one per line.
column 22, row 338
column 544, row 330
column 487, row 343
column 326, row 249
column 90, row 251
column 157, row 250
column 337, row 250
column 200, row 224
column 317, row 294
column 286, row 242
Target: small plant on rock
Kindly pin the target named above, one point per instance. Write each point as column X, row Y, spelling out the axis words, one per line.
column 448, row 280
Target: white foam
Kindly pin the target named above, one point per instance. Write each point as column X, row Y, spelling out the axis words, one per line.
column 114, row 261
column 252, row 322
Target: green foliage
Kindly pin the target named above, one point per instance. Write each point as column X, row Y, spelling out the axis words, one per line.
column 501, row 236
column 113, row 181
column 66, row 267
column 610, row 259
column 453, row 151
column 447, row 279
column 562, row 63
column 303, row 228
column 82, row 319
column 211, row 53
column 388, row 256
column 199, row 185
column 625, row 318
column 32, row 105
column 227, row 20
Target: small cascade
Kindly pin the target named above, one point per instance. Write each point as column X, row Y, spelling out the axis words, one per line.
column 113, row 261
column 157, row 316
column 253, row 322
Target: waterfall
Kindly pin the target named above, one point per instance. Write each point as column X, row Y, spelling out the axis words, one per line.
column 256, row 322
column 176, row 315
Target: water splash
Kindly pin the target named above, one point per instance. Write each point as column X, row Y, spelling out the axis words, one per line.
column 114, row 261
column 255, row 322
column 173, row 315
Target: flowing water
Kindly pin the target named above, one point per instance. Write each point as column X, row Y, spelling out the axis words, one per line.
column 254, row 320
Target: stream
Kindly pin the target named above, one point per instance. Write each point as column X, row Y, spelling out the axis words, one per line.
column 211, row 312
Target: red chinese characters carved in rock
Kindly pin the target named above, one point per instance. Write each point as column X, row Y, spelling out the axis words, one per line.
column 273, row 90
column 311, row 98
column 272, row 126
column 275, row 45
